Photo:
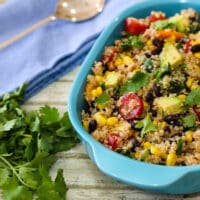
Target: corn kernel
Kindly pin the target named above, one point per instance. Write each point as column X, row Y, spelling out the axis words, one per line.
column 163, row 125
column 194, row 86
column 99, row 91
column 118, row 62
column 147, row 145
column 112, row 121
column 182, row 97
column 189, row 82
column 101, row 106
column 111, row 78
column 94, row 93
column 195, row 42
column 127, row 60
column 149, row 42
column 146, row 105
column 137, row 155
column 101, row 120
column 155, row 122
column 85, row 125
column 171, row 159
column 155, row 150
column 197, row 55
column 188, row 136
column 99, row 79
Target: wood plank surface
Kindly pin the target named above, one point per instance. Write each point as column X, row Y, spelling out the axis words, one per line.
column 84, row 179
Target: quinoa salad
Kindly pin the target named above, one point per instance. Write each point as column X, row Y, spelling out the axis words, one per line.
column 143, row 94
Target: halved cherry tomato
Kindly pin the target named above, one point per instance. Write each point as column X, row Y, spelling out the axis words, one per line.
column 155, row 16
column 197, row 111
column 188, row 45
column 113, row 141
column 130, row 106
column 134, row 26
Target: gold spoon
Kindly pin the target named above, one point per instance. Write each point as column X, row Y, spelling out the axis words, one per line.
column 70, row 10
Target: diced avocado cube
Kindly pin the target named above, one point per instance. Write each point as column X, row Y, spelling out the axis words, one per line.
column 170, row 55
column 169, row 105
column 180, row 22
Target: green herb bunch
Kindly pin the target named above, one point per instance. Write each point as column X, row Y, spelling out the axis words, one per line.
column 28, row 143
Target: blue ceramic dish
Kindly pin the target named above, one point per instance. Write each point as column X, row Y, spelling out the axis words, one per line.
column 163, row 179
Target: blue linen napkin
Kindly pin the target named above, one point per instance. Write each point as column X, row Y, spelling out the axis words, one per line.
column 50, row 51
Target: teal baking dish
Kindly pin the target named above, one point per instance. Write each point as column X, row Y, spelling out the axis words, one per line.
column 157, row 178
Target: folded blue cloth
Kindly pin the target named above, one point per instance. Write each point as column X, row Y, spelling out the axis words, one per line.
column 50, row 51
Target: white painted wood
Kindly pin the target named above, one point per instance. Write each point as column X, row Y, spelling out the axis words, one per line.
column 84, row 179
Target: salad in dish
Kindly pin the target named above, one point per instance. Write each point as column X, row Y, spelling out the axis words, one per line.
column 143, row 94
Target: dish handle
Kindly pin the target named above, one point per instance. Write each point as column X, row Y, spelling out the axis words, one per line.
column 163, row 179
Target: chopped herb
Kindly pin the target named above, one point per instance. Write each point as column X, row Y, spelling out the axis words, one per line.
column 132, row 41
column 159, row 73
column 139, row 80
column 103, row 99
column 193, row 98
column 194, row 28
column 145, row 154
column 175, row 86
column 163, row 24
column 148, row 64
column 28, row 143
column 189, row 121
column 179, row 147
column 146, row 124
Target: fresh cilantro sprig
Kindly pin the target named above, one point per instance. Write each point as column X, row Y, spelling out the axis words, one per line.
column 132, row 41
column 193, row 98
column 28, row 143
column 146, row 125
column 139, row 80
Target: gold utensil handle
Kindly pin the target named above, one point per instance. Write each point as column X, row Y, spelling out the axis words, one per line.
column 26, row 32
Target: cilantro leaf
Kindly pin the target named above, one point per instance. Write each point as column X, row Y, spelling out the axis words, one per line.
column 189, row 121
column 132, row 41
column 147, row 125
column 139, row 80
column 28, row 142
column 179, row 147
column 54, row 191
column 193, row 98
column 49, row 115
column 103, row 99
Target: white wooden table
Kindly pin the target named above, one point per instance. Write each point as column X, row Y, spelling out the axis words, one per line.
column 83, row 178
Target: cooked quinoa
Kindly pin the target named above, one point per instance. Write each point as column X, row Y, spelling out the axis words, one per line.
column 143, row 95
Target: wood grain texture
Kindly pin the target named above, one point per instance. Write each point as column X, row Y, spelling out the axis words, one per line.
column 84, row 179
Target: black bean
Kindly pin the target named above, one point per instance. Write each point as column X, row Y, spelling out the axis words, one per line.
column 173, row 120
column 153, row 112
column 148, row 55
column 92, row 125
column 135, row 143
column 133, row 126
column 149, row 97
column 158, row 43
column 167, row 129
column 195, row 48
column 156, row 51
column 157, row 90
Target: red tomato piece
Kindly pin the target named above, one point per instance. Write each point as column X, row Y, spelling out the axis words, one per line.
column 187, row 46
column 109, row 54
column 155, row 16
column 197, row 111
column 130, row 106
column 134, row 26
column 113, row 141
